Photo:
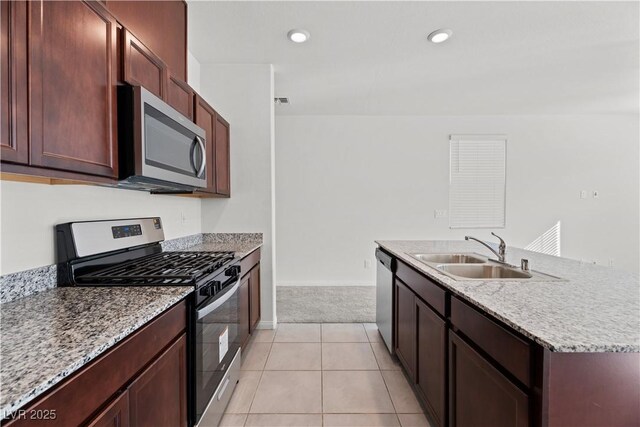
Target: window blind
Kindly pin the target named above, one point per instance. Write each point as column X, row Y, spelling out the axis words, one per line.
column 477, row 181
column 548, row 242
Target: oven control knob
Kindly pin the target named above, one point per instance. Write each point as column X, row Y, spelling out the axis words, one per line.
column 234, row 270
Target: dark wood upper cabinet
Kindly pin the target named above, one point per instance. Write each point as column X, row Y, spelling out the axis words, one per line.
column 405, row 327
column 143, row 67
column 161, row 26
column 479, row 395
column 158, row 397
column 222, row 157
column 14, row 142
column 254, row 297
column 73, row 78
column 180, row 96
column 431, row 375
column 205, row 117
column 114, row 415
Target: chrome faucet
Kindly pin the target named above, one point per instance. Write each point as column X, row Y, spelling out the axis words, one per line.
column 502, row 249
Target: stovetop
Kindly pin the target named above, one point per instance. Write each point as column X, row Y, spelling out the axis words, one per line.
column 164, row 268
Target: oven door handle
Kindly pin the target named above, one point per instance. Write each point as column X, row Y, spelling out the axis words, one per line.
column 205, row 311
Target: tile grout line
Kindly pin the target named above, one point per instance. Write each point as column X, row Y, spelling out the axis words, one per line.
column 253, row 396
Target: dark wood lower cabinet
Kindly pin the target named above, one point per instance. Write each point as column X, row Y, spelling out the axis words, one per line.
column 244, row 296
column 249, row 295
column 114, row 415
column 158, row 397
column 254, row 297
column 479, row 394
column 431, row 374
column 405, row 327
column 149, row 366
column 470, row 369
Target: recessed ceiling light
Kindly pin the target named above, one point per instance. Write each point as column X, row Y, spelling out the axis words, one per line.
column 298, row 36
column 438, row 36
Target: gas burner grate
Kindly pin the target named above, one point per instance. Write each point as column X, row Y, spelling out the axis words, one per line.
column 165, row 268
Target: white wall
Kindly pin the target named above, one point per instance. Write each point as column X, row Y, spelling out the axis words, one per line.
column 29, row 212
column 343, row 181
column 193, row 71
column 243, row 94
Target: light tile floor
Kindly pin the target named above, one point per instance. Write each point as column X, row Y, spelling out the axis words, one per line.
column 305, row 374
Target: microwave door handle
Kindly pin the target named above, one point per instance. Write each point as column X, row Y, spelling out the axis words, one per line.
column 217, row 303
column 193, row 155
column 204, row 156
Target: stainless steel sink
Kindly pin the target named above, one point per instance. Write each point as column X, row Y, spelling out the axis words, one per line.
column 472, row 266
column 484, row 271
column 451, row 258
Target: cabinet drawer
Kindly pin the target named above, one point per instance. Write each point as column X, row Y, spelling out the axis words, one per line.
column 431, row 293
column 512, row 352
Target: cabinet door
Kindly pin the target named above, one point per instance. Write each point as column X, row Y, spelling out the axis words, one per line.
column 142, row 67
column 479, row 395
column 73, row 78
column 14, row 142
column 244, row 296
column 254, row 292
column 158, row 397
column 205, row 117
column 430, row 360
column 161, row 25
column 405, row 312
column 180, row 96
column 114, row 415
column 222, row 157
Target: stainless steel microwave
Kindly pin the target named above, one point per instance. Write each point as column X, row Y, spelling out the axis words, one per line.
column 159, row 149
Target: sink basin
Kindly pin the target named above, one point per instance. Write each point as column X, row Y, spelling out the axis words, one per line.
column 472, row 266
column 485, row 271
column 450, row 258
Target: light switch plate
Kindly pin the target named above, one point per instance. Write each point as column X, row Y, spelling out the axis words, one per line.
column 440, row 213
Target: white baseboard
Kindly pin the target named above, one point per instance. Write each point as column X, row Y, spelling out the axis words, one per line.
column 327, row 283
column 267, row 324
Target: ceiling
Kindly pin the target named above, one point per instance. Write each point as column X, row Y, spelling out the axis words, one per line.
column 373, row 58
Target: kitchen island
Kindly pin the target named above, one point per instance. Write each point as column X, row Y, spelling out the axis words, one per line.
column 525, row 352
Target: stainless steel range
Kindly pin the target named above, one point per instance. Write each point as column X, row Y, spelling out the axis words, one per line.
column 128, row 253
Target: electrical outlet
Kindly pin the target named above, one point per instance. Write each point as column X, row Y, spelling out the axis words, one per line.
column 440, row 213
column 367, row 264
column 183, row 218
column 595, row 194
column 583, row 194
column 610, row 262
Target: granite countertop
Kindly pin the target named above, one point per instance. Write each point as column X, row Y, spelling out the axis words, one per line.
column 594, row 309
column 49, row 335
column 241, row 249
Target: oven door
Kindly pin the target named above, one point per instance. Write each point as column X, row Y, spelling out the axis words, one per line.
column 216, row 346
column 173, row 147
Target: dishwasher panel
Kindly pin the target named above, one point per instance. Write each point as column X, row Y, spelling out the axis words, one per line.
column 384, row 296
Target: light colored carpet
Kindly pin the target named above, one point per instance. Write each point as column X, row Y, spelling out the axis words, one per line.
column 326, row 304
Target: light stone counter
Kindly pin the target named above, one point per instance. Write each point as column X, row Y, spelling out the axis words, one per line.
column 50, row 335
column 595, row 309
